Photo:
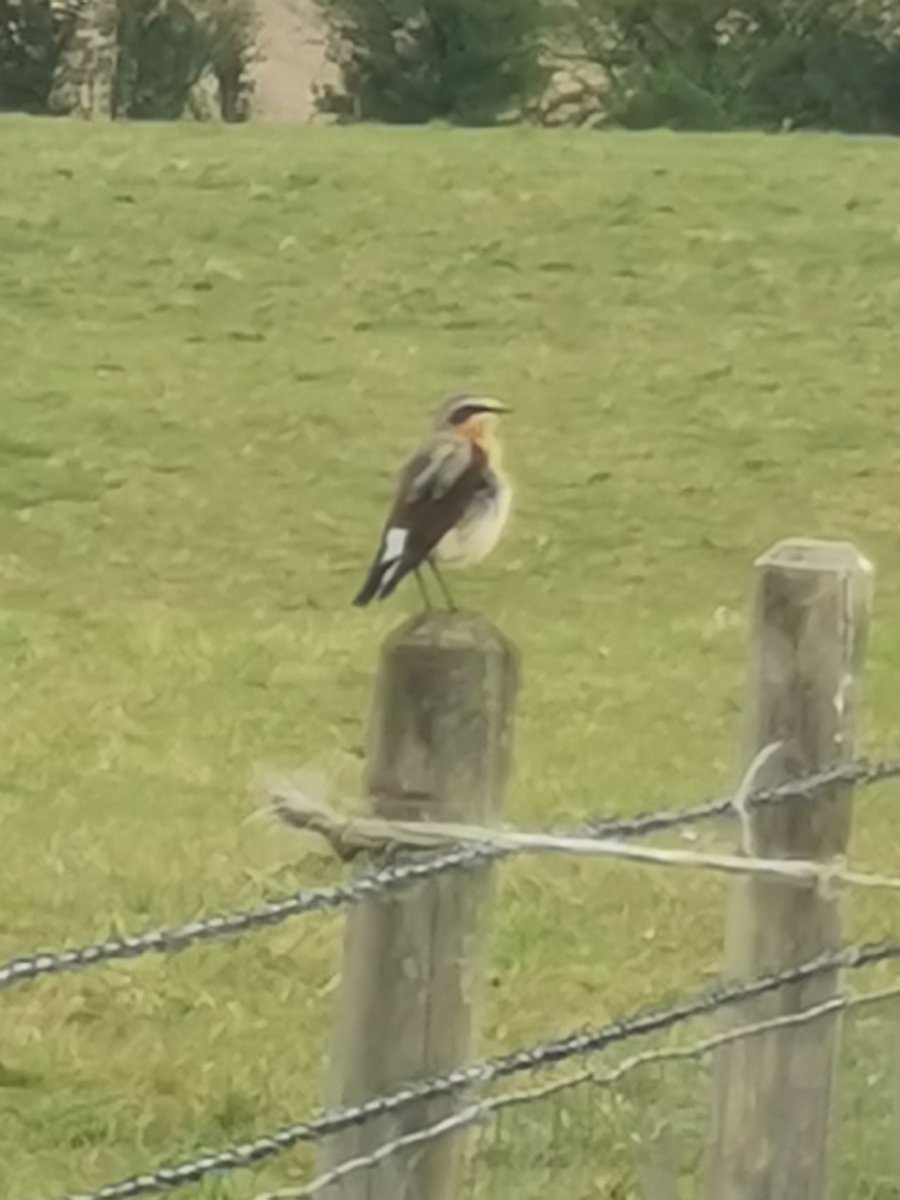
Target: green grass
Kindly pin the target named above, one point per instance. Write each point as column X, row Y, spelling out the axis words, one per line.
column 217, row 346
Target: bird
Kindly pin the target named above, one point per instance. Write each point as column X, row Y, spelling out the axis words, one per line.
column 451, row 502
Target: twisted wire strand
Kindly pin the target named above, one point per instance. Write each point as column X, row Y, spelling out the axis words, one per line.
column 486, row 1110
column 398, row 876
column 541, row 1056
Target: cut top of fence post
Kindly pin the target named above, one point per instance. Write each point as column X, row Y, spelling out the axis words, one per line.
column 810, row 554
column 810, row 628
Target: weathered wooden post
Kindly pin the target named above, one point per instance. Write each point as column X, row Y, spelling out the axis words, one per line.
column 439, row 748
column 773, row 1092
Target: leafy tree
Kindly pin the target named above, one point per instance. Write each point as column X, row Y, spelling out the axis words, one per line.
column 411, row 61
column 708, row 64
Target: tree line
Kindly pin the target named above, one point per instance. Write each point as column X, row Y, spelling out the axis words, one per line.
column 685, row 64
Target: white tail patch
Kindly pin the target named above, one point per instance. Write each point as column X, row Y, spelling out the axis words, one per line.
column 388, row 575
column 394, row 545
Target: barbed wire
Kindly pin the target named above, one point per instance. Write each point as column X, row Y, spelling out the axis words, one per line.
column 861, row 773
column 485, row 1110
column 542, row 1056
column 273, row 912
column 398, row 876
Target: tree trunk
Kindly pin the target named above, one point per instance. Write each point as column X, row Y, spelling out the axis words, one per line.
column 84, row 79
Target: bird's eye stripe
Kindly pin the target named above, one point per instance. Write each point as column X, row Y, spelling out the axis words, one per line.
column 464, row 414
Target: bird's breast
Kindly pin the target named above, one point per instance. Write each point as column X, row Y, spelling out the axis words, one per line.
column 479, row 528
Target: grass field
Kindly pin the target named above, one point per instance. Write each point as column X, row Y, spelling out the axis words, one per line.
column 216, row 345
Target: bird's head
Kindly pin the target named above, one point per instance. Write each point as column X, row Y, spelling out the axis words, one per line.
column 475, row 417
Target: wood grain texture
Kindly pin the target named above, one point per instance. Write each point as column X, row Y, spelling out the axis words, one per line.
column 773, row 1094
column 439, row 748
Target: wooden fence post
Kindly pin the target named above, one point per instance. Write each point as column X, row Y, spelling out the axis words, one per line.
column 439, row 745
column 773, row 1093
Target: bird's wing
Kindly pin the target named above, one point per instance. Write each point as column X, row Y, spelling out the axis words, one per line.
column 434, row 470
column 434, row 490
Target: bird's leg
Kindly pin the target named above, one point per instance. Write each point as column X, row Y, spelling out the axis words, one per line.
column 424, row 590
column 451, row 605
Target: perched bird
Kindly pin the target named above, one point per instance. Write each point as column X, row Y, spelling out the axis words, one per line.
column 451, row 503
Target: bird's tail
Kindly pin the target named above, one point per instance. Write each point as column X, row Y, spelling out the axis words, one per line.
column 385, row 573
column 369, row 589
column 379, row 584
